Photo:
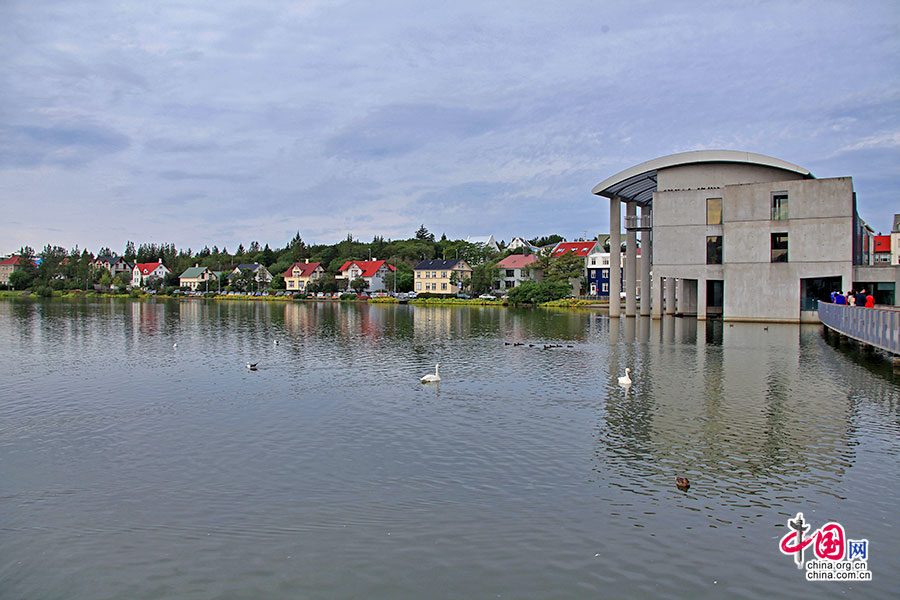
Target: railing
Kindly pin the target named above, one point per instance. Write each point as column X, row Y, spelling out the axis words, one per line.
column 638, row 222
column 878, row 327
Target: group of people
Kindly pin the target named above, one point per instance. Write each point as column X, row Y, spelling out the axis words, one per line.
column 860, row 298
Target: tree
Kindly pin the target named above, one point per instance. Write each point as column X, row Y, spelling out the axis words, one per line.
column 483, row 278
column 130, row 254
column 277, row 282
column 423, row 234
column 545, row 291
column 460, row 280
column 564, row 267
column 546, row 240
column 358, row 285
column 19, row 280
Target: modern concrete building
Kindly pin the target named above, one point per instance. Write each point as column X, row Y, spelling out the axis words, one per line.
column 737, row 235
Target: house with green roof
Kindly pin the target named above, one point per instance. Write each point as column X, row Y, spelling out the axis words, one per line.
column 196, row 276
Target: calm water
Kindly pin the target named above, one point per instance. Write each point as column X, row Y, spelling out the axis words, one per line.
column 131, row 469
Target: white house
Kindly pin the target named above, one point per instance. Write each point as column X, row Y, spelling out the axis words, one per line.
column 488, row 241
column 372, row 271
column 144, row 271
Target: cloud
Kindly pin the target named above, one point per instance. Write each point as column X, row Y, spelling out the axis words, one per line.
column 178, row 175
column 64, row 145
column 400, row 129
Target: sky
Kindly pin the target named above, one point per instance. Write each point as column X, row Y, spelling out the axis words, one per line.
column 223, row 122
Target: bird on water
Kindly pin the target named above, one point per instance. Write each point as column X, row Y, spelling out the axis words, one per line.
column 432, row 378
column 625, row 380
column 682, row 483
column 252, row 366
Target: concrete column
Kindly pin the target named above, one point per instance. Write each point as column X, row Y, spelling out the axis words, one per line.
column 615, row 240
column 670, row 295
column 646, row 253
column 682, row 302
column 630, row 262
column 658, row 297
column 701, row 299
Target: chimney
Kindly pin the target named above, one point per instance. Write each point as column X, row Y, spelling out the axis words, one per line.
column 306, row 261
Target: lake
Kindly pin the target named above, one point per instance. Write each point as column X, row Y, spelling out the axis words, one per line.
column 132, row 467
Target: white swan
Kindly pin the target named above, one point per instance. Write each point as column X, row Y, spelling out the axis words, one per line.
column 432, row 378
column 625, row 380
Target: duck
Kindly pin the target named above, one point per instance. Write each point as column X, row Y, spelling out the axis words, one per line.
column 252, row 366
column 432, row 378
column 625, row 380
column 175, row 345
column 682, row 483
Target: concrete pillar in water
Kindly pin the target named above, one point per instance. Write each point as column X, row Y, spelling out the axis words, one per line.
column 630, row 260
column 646, row 253
column 615, row 241
column 670, row 295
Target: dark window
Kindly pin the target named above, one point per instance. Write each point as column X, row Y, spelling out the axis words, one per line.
column 779, row 206
column 713, row 211
column 779, row 247
column 510, row 272
column 714, row 249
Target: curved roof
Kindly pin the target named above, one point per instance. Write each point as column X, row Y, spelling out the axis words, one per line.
column 637, row 183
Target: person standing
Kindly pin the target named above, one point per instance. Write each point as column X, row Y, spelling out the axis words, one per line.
column 851, row 298
column 861, row 297
column 870, row 301
column 840, row 299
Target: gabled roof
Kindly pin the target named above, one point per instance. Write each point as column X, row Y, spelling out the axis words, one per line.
column 439, row 265
column 147, row 268
column 517, row 261
column 193, row 272
column 882, row 243
column 368, row 267
column 306, row 268
column 253, row 267
column 12, row 260
column 579, row 248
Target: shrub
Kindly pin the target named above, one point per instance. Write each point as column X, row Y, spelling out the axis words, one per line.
column 44, row 291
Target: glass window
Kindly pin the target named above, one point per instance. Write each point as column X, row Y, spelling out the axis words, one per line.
column 713, row 211
column 779, row 247
column 779, row 206
column 604, row 287
column 418, row 285
column 443, row 286
column 604, row 273
column 714, row 249
column 510, row 272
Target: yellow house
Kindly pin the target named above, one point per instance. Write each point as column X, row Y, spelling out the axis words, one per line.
column 196, row 276
column 299, row 274
column 433, row 276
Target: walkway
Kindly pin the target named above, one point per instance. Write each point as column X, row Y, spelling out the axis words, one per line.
column 877, row 327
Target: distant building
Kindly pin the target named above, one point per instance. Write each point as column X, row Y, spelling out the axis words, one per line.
column 582, row 249
column 260, row 273
column 142, row 272
column 516, row 268
column 518, row 242
column 895, row 242
column 434, row 275
column 371, row 271
column 114, row 264
column 7, row 267
column 299, row 275
column 195, row 277
column 882, row 250
column 488, row 241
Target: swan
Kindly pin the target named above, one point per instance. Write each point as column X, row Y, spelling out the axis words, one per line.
column 625, row 380
column 432, row 378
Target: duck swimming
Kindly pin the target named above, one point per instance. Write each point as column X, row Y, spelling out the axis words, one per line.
column 682, row 483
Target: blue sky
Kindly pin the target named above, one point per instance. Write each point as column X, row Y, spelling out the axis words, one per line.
column 223, row 122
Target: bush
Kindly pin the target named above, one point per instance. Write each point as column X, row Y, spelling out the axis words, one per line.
column 545, row 291
column 348, row 296
column 135, row 293
column 169, row 290
column 44, row 291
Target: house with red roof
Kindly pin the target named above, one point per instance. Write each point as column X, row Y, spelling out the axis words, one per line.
column 7, row 267
column 142, row 272
column 299, row 275
column 882, row 249
column 372, row 271
column 582, row 249
column 516, row 268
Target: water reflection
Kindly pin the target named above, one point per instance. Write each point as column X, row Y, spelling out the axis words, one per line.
column 512, row 474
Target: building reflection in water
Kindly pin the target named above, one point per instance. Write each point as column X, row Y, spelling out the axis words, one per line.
column 738, row 410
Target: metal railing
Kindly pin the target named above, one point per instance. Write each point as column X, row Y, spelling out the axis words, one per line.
column 878, row 327
column 638, row 222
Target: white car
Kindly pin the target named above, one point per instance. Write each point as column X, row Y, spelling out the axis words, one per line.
column 487, row 297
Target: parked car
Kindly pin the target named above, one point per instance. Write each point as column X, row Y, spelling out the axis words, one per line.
column 380, row 295
column 320, row 295
column 487, row 297
column 411, row 295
